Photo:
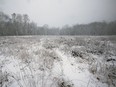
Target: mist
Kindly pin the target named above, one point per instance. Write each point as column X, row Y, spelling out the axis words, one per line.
column 58, row 13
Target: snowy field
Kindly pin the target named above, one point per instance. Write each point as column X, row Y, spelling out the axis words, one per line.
column 58, row 61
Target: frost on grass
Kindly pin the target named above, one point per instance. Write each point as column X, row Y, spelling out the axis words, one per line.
column 57, row 61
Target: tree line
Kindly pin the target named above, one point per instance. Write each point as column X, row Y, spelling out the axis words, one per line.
column 19, row 24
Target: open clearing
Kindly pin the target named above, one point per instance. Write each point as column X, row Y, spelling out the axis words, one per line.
column 58, row 61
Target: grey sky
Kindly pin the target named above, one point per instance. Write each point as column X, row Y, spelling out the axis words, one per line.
column 61, row 12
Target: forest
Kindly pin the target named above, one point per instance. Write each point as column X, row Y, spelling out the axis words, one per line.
column 20, row 24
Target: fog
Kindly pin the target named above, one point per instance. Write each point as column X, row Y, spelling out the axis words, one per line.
column 61, row 12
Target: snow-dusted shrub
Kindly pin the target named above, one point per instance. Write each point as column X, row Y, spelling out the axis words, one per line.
column 80, row 54
column 98, row 47
column 70, row 41
column 4, row 79
column 25, row 56
column 104, row 71
column 64, row 83
column 50, row 44
column 80, row 41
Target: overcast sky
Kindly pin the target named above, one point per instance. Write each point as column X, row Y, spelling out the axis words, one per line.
column 61, row 12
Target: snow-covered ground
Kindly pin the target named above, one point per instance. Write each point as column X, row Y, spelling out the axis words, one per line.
column 58, row 61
